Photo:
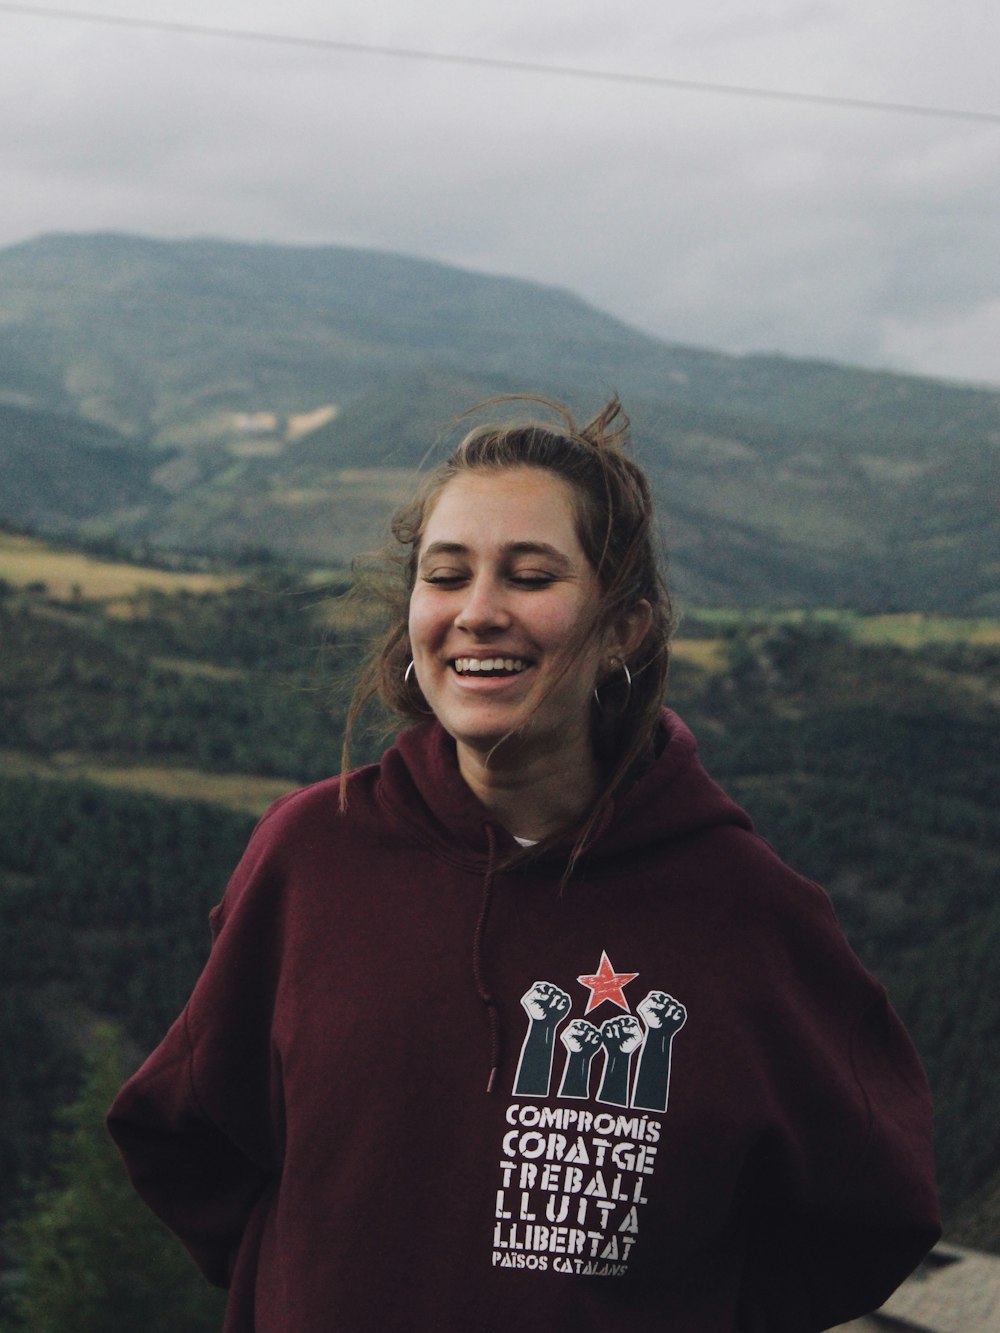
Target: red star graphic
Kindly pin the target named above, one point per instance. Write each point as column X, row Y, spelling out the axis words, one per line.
column 606, row 984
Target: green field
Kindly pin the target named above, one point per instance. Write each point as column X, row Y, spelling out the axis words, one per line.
column 912, row 629
column 241, row 792
column 66, row 574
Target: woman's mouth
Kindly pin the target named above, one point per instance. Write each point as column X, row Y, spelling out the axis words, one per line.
column 488, row 666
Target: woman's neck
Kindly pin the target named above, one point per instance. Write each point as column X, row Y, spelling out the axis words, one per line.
column 531, row 796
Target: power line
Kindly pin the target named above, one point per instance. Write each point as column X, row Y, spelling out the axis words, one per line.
column 499, row 63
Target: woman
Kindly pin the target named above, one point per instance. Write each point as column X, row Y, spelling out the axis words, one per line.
column 524, row 1027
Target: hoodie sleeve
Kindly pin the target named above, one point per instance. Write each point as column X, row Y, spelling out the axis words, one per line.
column 842, row 1200
column 195, row 1124
column 186, row 1168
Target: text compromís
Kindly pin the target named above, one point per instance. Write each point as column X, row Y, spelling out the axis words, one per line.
column 572, row 1189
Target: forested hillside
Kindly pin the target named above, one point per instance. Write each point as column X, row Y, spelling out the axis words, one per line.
column 864, row 749
column 205, row 395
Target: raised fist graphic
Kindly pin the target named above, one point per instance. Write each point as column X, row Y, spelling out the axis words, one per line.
column 664, row 1017
column 546, row 1003
column 582, row 1041
column 660, row 1010
column 581, row 1037
column 620, row 1037
column 623, row 1035
column 546, row 1006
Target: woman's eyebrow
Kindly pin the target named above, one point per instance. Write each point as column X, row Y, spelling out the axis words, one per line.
column 443, row 548
column 538, row 548
column 509, row 548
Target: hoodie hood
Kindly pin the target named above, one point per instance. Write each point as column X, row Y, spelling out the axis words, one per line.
column 421, row 786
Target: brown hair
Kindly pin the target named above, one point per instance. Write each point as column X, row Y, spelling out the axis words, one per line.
column 616, row 528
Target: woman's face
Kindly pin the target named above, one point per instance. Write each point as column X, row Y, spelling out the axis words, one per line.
column 504, row 594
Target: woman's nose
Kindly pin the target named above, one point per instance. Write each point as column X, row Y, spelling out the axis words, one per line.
column 484, row 607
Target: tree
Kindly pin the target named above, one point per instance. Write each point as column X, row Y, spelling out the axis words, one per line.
column 88, row 1254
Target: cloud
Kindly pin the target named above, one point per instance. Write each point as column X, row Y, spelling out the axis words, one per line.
column 961, row 347
column 704, row 218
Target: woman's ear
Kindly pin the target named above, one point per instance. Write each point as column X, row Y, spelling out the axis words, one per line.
column 630, row 629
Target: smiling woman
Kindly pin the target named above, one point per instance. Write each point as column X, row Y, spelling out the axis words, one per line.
column 506, row 646
column 529, row 528
column 531, row 1032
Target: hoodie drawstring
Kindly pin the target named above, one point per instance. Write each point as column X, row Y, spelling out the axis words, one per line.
column 485, row 995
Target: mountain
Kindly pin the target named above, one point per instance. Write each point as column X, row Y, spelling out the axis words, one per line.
column 58, row 469
column 283, row 395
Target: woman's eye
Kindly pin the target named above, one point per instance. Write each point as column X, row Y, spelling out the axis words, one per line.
column 446, row 579
column 532, row 579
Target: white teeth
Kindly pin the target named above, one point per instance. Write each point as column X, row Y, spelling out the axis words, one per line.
column 466, row 665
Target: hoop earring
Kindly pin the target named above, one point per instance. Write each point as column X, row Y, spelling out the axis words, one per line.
column 628, row 685
column 415, row 684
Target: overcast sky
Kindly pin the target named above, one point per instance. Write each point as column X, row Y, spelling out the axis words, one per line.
column 739, row 223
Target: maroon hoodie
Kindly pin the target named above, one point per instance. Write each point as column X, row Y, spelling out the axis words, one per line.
column 416, row 1091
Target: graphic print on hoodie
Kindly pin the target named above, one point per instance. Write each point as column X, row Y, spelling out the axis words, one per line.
column 572, row 1178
